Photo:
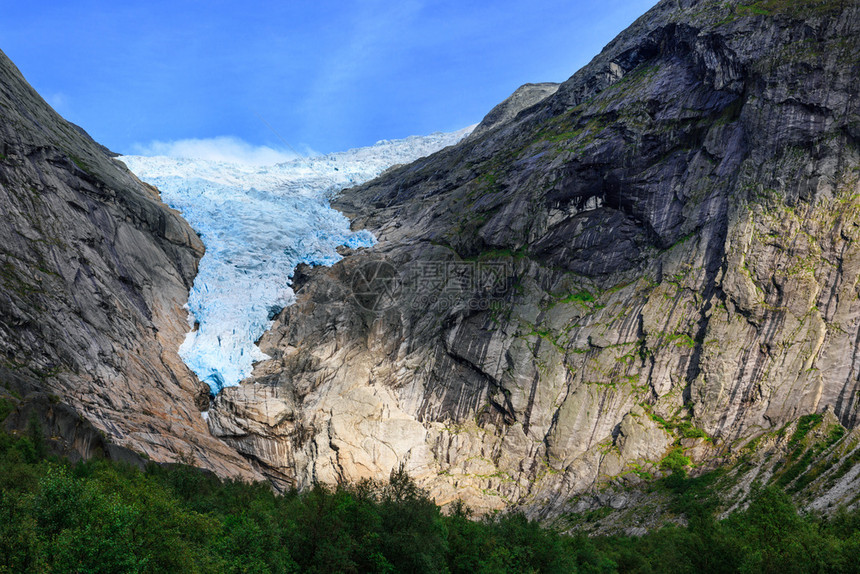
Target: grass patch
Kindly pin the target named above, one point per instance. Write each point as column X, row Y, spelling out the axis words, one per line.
column 795, row 469
column 805, row 424
column 676, row 462
column 581, row 296
column 6, row 407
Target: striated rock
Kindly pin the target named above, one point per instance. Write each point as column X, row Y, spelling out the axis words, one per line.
column 639, row 441
column 94, row 273
column 661, row 254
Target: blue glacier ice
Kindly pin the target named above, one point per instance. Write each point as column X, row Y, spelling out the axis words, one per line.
column 258, row 223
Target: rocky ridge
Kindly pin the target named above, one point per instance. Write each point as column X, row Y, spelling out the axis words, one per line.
column 524, row 97
column 657, row 262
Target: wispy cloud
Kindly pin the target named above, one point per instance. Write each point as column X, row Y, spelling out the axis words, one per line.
column 58, row 101
column 372, row 37
column 224, row 148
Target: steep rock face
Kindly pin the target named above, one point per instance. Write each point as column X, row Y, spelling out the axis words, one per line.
column 94, row 271
column 661, row 255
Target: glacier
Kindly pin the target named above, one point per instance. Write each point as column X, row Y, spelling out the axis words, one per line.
column 258, row 223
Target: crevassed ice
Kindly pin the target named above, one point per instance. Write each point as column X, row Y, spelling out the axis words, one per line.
column 258, row 223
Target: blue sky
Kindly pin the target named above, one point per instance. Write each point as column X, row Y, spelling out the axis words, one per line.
column 325, row 75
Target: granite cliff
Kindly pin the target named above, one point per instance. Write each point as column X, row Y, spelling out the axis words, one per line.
column 94, row 273
column 646, row 267
column 650, row 267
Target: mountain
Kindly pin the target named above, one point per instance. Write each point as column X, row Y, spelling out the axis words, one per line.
column 94, row 272
column 648, row 270
column 652, row 267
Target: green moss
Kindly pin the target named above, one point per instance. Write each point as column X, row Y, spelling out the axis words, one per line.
column 754, row 9
column 659, row 420
column 581, row 296
column 571, row 131
column 563, row 136
column 638, row 471
column 687, row 429
column 12, row 280
column 679, row 426
column 488, row 178
column 549, row 337
column 752, row 445
column 794, row 8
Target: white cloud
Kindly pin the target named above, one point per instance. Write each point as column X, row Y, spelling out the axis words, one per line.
column 224, row 148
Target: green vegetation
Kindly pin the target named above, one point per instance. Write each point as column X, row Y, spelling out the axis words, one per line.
column 797, row 8
column 100, row 516
column 5, row 408
column 580, row 297
column 792, row 8
column 805, row 424
column 682, row 340
column 803, row 465
column 847, row 464
column 680, row 425
column 496, row 254
column 82, row 165
column 769, row 536
column 676, row 462
column 835, row 433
